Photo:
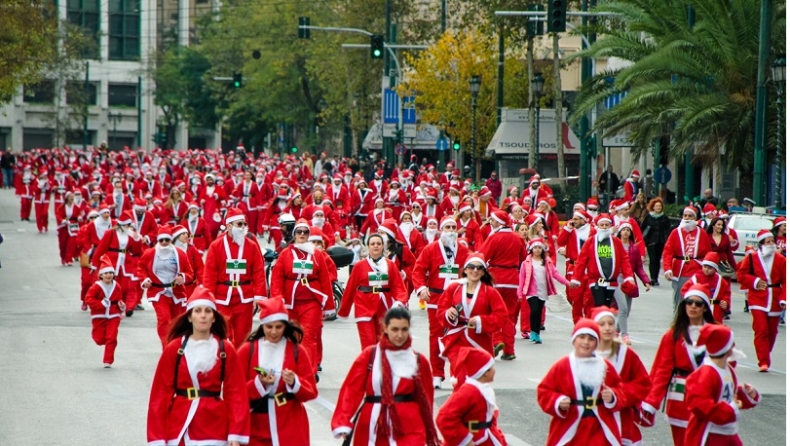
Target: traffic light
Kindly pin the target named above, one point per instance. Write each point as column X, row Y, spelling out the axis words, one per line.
column 535, row 27
column 556, row 17
column 304, row 33
column 456, row 145
column 236, row 80
column 376, row 46
column 294, row 149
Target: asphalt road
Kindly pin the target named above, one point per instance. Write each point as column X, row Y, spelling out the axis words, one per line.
column 54, row 391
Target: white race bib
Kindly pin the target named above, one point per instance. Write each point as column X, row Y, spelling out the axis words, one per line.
column 378, row 279
column 448, row 271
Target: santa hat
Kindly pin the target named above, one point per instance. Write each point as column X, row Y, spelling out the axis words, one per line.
column 164, row 233
column 234, row 214
column 193, row 205
column 272, row 310
column 301, row 223
column 512, row 189
column 93, row 213
column 779, row 221
column 535, row 242
column 378, row 199
column 105, row 207
column 475, row 257
column 139, row 204
column 473, row 362
column 316, row 235
column 578, row 206
column 317, row 210
column 337, row 177
column 532, row 220
column 354, row 236
column 445, row 220
column 390, row 226
column 603, row 218
column 431, row 219
column 543, row 199
column 623, row 225
column 534, row 179
column 178, row 230
column 712, row 260
column 621, row 204
column 501, row 217
column 456, row 173
column 404, row 213
column 126, row 218
column 635, row 174
column 709, row 209
column 394, row 183
column 764, row 234
column 583, row 215
column 699, row 290
column 204, row 298
column 379, row 173
column 484, row 191
column 599, row 313
column 718, row 339
column 690, row 210
column 592, row 203
column 106, row 265
column 588, row 327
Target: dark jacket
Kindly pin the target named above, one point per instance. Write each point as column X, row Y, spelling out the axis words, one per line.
column 655, row 230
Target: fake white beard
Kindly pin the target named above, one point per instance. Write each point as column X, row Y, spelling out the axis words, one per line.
column 165, row 252
column 767, row 250
column 318, row 222
column 454, row 199
column 201, row 355
column 402, row 362
column 281, row 204
column 737, row 355
column 603, row 233
column 238, row 234
column 307, row 247
column 192, row 218
column 406, row 227
column 592, row 213
column 77, row 201
column 181, row 244
column 449, row 239
column 431, row 233
column 583, row 231
column 687, row 225
column 590, row 371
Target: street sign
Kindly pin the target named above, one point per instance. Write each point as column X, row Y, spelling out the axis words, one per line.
column 409, row 113
column 409, row 130
column 441, row 144
column 390, row 106
column 663, row 175
column 389, row 130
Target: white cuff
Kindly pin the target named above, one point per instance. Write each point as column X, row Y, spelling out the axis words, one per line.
column 259, row 386
column 629, row 278
column 612, row 404
column 240, row 438
column 105, row 302
column 648, row 408
column 575, row 282
column 157, row 443
column 753, row 401
column 337, row 433
column 419, row 290
column 754, row 285
column 451, row 321
column 557, row 407
column 147, row 280
column 257, row 298
column 567, row 228
column 478, row 324
column 295, row 388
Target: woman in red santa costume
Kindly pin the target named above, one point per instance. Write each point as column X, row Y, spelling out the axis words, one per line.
column 213, row 200
column 411, row 235
column 84, row 250
column 24, row 190
column 471, row 310
column 374, row 286
column 634, row 380
column 162, row 272
column 175, row 208
column 123, row 245
column 718, row 286
column 105, row 300
column 280, row 379
column 713, row 394
column 199, row 232
column 582, row 392
column 679, row 354
column 375, row 218
column 780, row 235
column 246, row 194
column 468, row 227
column 68, row 216
column 469, row 416
column 396, row 250
column 763, row 275
column 392, row 382
column 234, row 273
column 571, row 240
column 686, row 246
column 199, row 395
column 624, row 232
column 302, row 280
column 181, row 241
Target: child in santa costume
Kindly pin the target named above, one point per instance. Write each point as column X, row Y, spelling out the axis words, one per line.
column 686, row 246
column 199, row 395
column 469, row 416
column 280, row 379
column 713, row 394
column 471, row 311
column 41, row 193
column 84, row 250
column 570, row 241
column 763, row 275
column 635, row 382
column 581, row 392
column 536, row 283
column 392, row 383
column 679, row 354
column 719, row 287
column 105, row 300
column 625, row 232
column 374, row 286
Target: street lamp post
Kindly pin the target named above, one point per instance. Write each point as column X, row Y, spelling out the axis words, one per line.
column 115, row 118
column 537, row 88
column 474, row 87
column 778, row 75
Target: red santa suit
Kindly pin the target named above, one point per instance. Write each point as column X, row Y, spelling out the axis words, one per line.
column 682, row 250
column 124, row 251
column 435, row 270
column 572, row 239
column 61, row 184
column 589, row 269
column 213, row 201
column 24, row 190
column 145, row 224
column 433, row 210
column 105, row 303
column 235, row 274
column 471, row 232
column 764, row 305
column 175, row 212
column 146, row 186
column 219, row 413
column 719, row 291
column 485, row 307
column 635, row 384
column 68, row 217
column 41, row 193
column 374, row 219
column 278, row 415
column 199, row 232
column 372, row 289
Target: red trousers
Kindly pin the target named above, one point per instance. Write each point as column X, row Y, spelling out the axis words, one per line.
column 369, row 331
column 723, row 440
column 765, row 330
column 105, row 332
column 525, row 312
column 67, row 245
column 42, row 216
column 576, row 299
column 238, row 316
column 166, row 312
column 86, row 280
column 25, row 205
column 435, row 331
column 309, row 315
column 508, row 333
column 252, row 221
column 277, row 237
column 678, row 435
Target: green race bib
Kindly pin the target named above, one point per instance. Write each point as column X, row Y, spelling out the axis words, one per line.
column 236, row 266
column 448, row 271
column 378, row 279
column 303, row 267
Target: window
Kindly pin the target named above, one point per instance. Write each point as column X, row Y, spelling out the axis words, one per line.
column 77, row 94
column 124, row 29
column 85, row 14
column 123, row 95
column 41, row 93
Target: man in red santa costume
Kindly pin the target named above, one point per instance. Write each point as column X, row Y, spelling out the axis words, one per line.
column 246, row 194
column 505, row 251
column 24, row 190
column 41, row 193
column 438, row 265
column 234, row 274
column 686, row 246
column 714, row 397
column 581, row 392
column 377, row 184
column 302, row 280
column 452, row 201
column 469, row 416
column 144, row 221
column 123, row 246
column 631, row 188
column 199, row 233
column 763, row 275
column 468, row 227
column 162, row 272
column 708, row 275
column 213, row 201
column 571, row 239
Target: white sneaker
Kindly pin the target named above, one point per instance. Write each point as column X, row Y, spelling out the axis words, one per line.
column 107, row 365
column 437, row 382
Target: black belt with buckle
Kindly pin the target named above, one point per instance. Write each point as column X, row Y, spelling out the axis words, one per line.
column 588, row 403
column 774, row 285
column 122, row 251
column 572, row 262
column 193, row 393
column 504, row 267
column 304, row 280
column 163, row 285
column 235, row 283
column 373, row 289
column 685, row 258
column 398, row 398
column 261, row 405
column 436, row 290
column 475, row 426
column 197, row 235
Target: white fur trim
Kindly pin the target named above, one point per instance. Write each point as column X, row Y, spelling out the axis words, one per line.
column 240, row 438
column 179, row 232
column 201, row 302
column 697, row 293
column 275, row 317
column 729, row 345
column 603, row 314
column 108, row 269
column 585, row 330
column 164, row 236
column 233, row 218
column 764, row 236
column 473, row 259
column 483, row 369
column 498, row 220
column 338, row 432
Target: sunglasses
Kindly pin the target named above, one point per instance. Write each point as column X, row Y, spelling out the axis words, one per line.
column 301, row 232
column 165, row 241
column 240, row 224
column 695, row 302
column 476, row 267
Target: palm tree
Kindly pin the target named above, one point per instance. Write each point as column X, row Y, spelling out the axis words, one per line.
column 695, row 84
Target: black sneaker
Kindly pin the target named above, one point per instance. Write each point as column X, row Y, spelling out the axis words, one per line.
column 130, row 313
column 542, row 328
column 139, row 307
column 320, row 369
column 507, row 357
column 317, row 378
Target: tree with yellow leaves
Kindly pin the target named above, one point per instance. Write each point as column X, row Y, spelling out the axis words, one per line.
column 439, row 78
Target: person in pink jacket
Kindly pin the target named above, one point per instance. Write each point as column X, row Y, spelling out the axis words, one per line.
column 626, row 235
column 535, row 284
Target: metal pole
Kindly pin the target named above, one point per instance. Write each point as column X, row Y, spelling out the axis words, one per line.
column 87, row 94
column 474, row 131
column 585, row 182
column 780, row 150
column 500, row 83
column 536, row 149
column 139, row 111
column 656, row 160
column 688, row 168
column 444, row 16
column 760, row 179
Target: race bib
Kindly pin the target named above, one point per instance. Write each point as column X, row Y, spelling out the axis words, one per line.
column 236, row 266
column 448, row 271
column 303, row 267
column 74, row 227
column 378, row 279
